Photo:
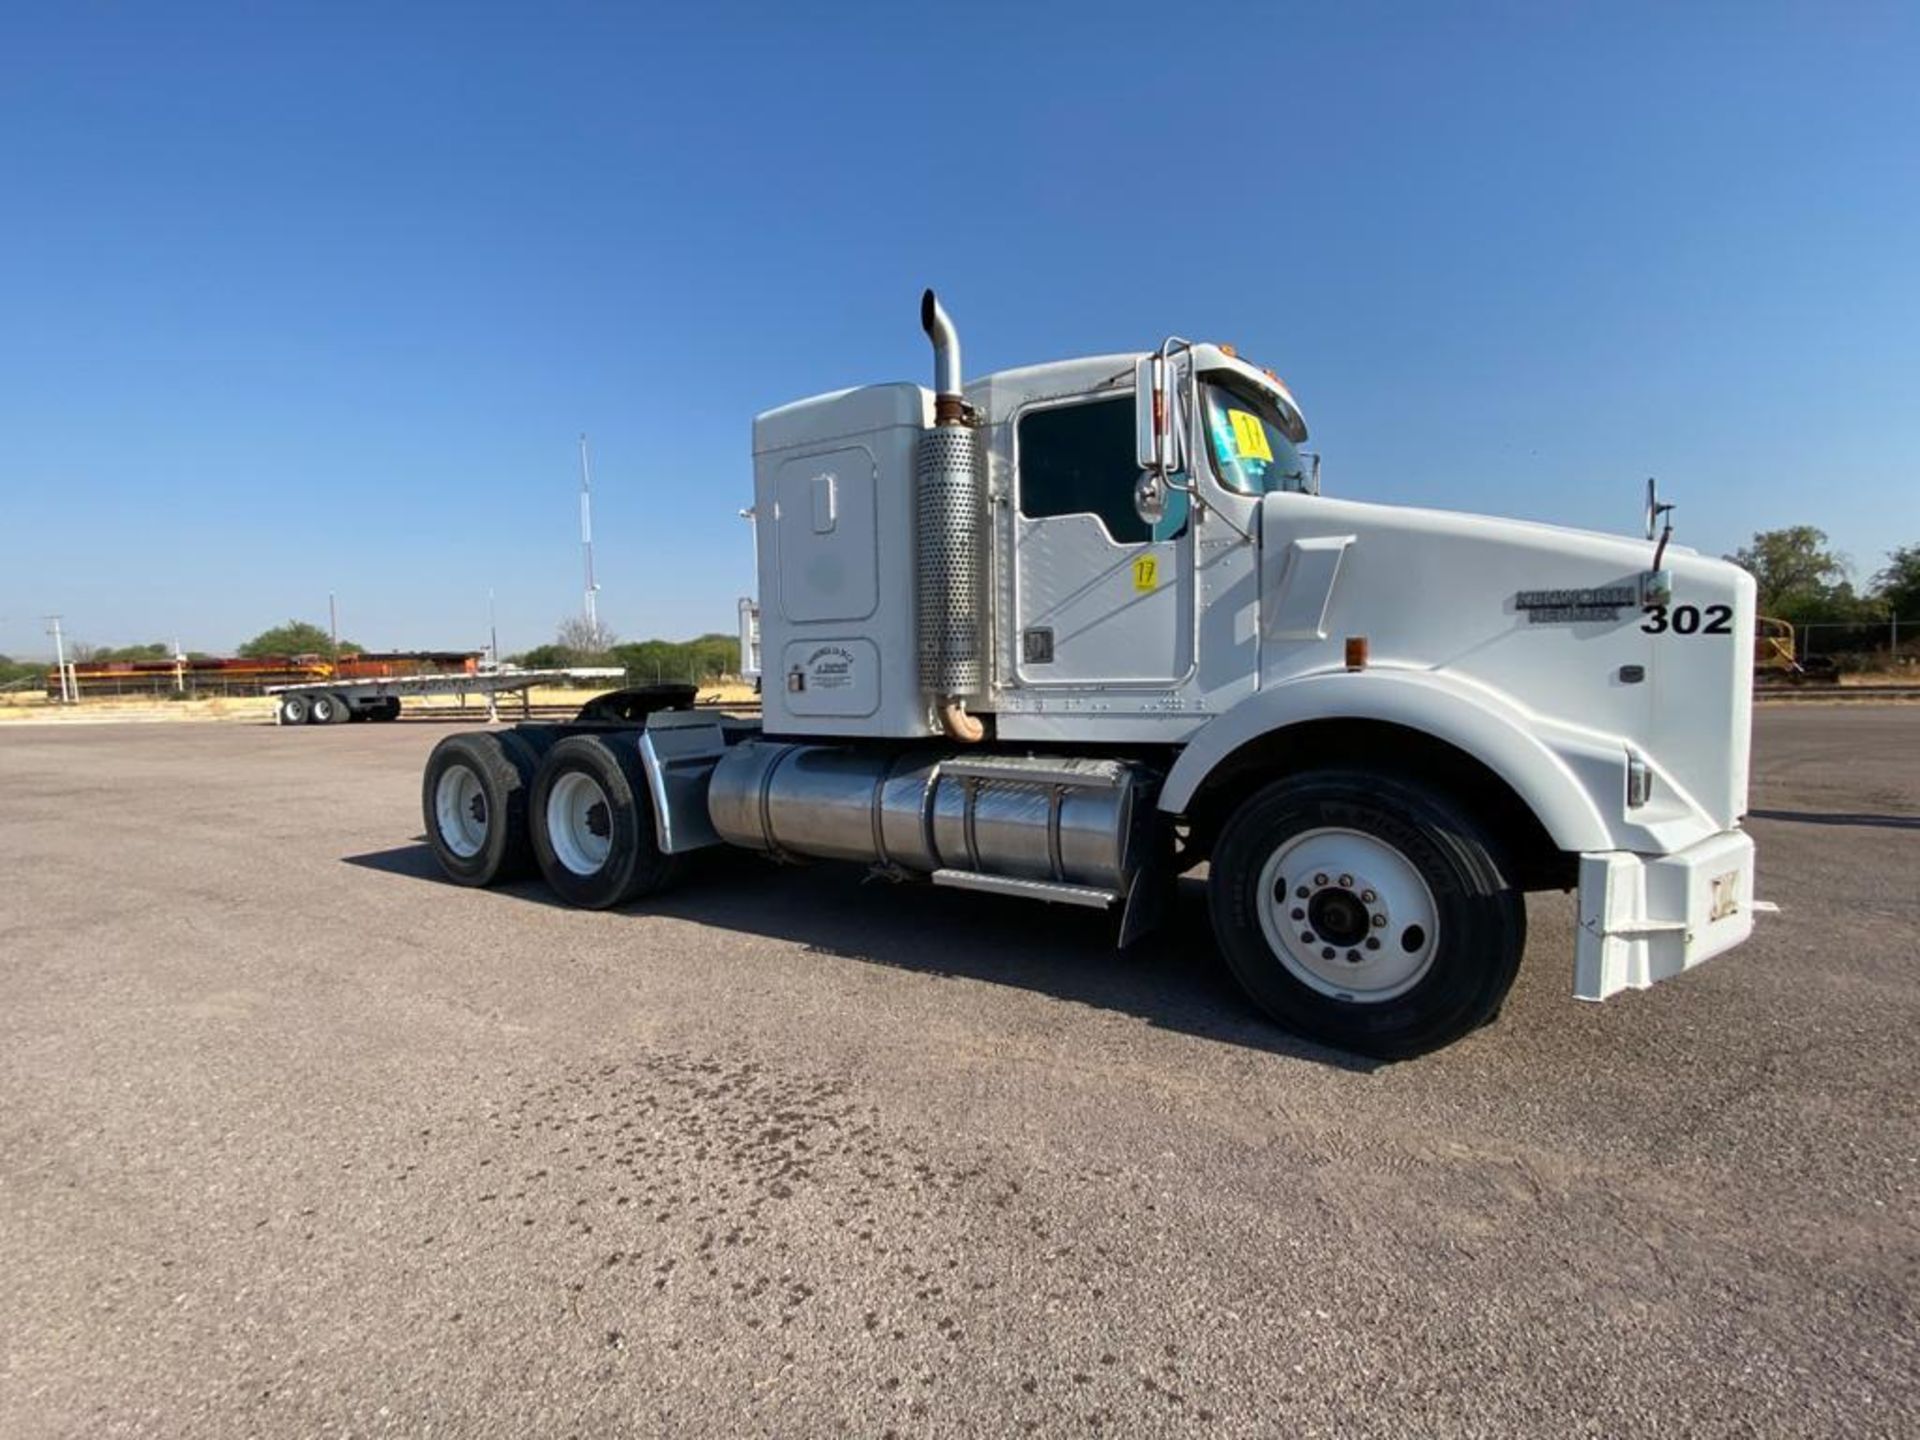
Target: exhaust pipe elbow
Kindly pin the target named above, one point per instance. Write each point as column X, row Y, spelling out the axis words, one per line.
column 958, row 724
column 946, row 359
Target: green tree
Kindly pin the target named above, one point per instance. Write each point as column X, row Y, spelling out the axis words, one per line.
column 702, row 658
column 1898, row 586
column 158, row 650
column 296, row 637
column 544, row 657
column 1800, row 579
column 12, row 670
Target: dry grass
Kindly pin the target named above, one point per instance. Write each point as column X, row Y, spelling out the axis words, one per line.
column 134, row 707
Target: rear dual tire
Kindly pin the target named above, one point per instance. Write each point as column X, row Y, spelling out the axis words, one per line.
column 473, row 798
column 592, row 824
column 498, row 804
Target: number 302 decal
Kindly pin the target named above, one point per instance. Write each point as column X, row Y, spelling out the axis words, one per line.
column 1689, row 620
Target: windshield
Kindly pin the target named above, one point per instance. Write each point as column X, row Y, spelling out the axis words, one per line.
column 1251, row 453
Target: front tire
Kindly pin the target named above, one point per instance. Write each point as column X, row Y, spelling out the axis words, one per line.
column 592, row 823
column 1365, row 912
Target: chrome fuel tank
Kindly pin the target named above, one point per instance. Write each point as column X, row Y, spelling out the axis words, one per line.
column 1066, row 821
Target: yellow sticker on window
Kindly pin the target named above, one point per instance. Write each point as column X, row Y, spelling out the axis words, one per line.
column 1249, row 436
column 1146, row 573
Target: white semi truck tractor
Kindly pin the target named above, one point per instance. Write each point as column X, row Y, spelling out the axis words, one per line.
column 1070, row 631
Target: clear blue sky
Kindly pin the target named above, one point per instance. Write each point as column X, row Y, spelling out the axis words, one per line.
column 308, row 298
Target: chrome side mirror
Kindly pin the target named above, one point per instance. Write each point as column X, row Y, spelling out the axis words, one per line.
column 1150, row 497
column 1156, row 415
column 1657, row 511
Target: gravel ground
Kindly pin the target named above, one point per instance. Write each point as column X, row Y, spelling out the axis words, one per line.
column 296, row 1139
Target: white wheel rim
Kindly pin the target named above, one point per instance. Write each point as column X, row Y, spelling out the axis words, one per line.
column 579, row 823
column 460, row 810
column 1324, row 894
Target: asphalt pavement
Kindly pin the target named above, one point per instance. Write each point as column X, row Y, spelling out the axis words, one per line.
column 297, row 1139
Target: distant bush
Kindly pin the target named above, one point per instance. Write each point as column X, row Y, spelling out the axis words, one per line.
column 705, row 658
column 296, row 637
column 12, row 670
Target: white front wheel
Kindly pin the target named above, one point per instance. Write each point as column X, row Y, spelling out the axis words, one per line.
column 1348, row 915
column 1365, row 910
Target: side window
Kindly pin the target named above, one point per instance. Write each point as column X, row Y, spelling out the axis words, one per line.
column 1079, row 460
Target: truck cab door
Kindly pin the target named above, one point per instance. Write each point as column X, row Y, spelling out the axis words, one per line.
column 1101, row 596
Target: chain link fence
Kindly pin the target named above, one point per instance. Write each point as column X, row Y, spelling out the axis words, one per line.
column 1892, row 644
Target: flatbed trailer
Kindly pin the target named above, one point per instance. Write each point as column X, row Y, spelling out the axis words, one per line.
column 336, row 701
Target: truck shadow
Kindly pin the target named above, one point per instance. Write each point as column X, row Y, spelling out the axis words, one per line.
column 1822, row 817
column 1173, row 979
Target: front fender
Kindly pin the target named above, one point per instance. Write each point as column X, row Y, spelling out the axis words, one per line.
column 1555, row 770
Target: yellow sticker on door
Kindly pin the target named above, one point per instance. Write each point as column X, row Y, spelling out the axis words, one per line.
column 1146, row 573
column 1249, row 436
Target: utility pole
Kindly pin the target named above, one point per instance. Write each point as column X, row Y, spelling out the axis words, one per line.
column 333, row 631
column 586, row 542
column 60, row 661
column 493, row 634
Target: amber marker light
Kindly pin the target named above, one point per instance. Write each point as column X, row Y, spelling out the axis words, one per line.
column 1356, row 652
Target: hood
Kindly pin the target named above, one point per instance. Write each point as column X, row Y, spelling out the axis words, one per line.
column 1551, row 618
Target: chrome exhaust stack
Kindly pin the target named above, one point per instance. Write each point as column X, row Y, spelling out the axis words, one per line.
column 947, row 563
column 948, row 407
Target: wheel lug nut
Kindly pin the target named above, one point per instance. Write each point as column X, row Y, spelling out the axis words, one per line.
column 1298, row 913
column 1306, row 937
column 1353, row 957
column 1367, row 897
column 1379, row 921
column 1373, row 942
column 1320, row 880
column 1327, row 953
column 1302, row 893
column 1346, row 882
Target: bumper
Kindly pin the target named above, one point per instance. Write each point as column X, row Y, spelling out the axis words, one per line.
column 1646, row 919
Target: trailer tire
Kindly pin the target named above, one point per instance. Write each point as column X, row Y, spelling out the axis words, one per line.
column 293, row 709
column 473, row 797
column 387, row 709
column 1364, row 911
column 592, row 823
